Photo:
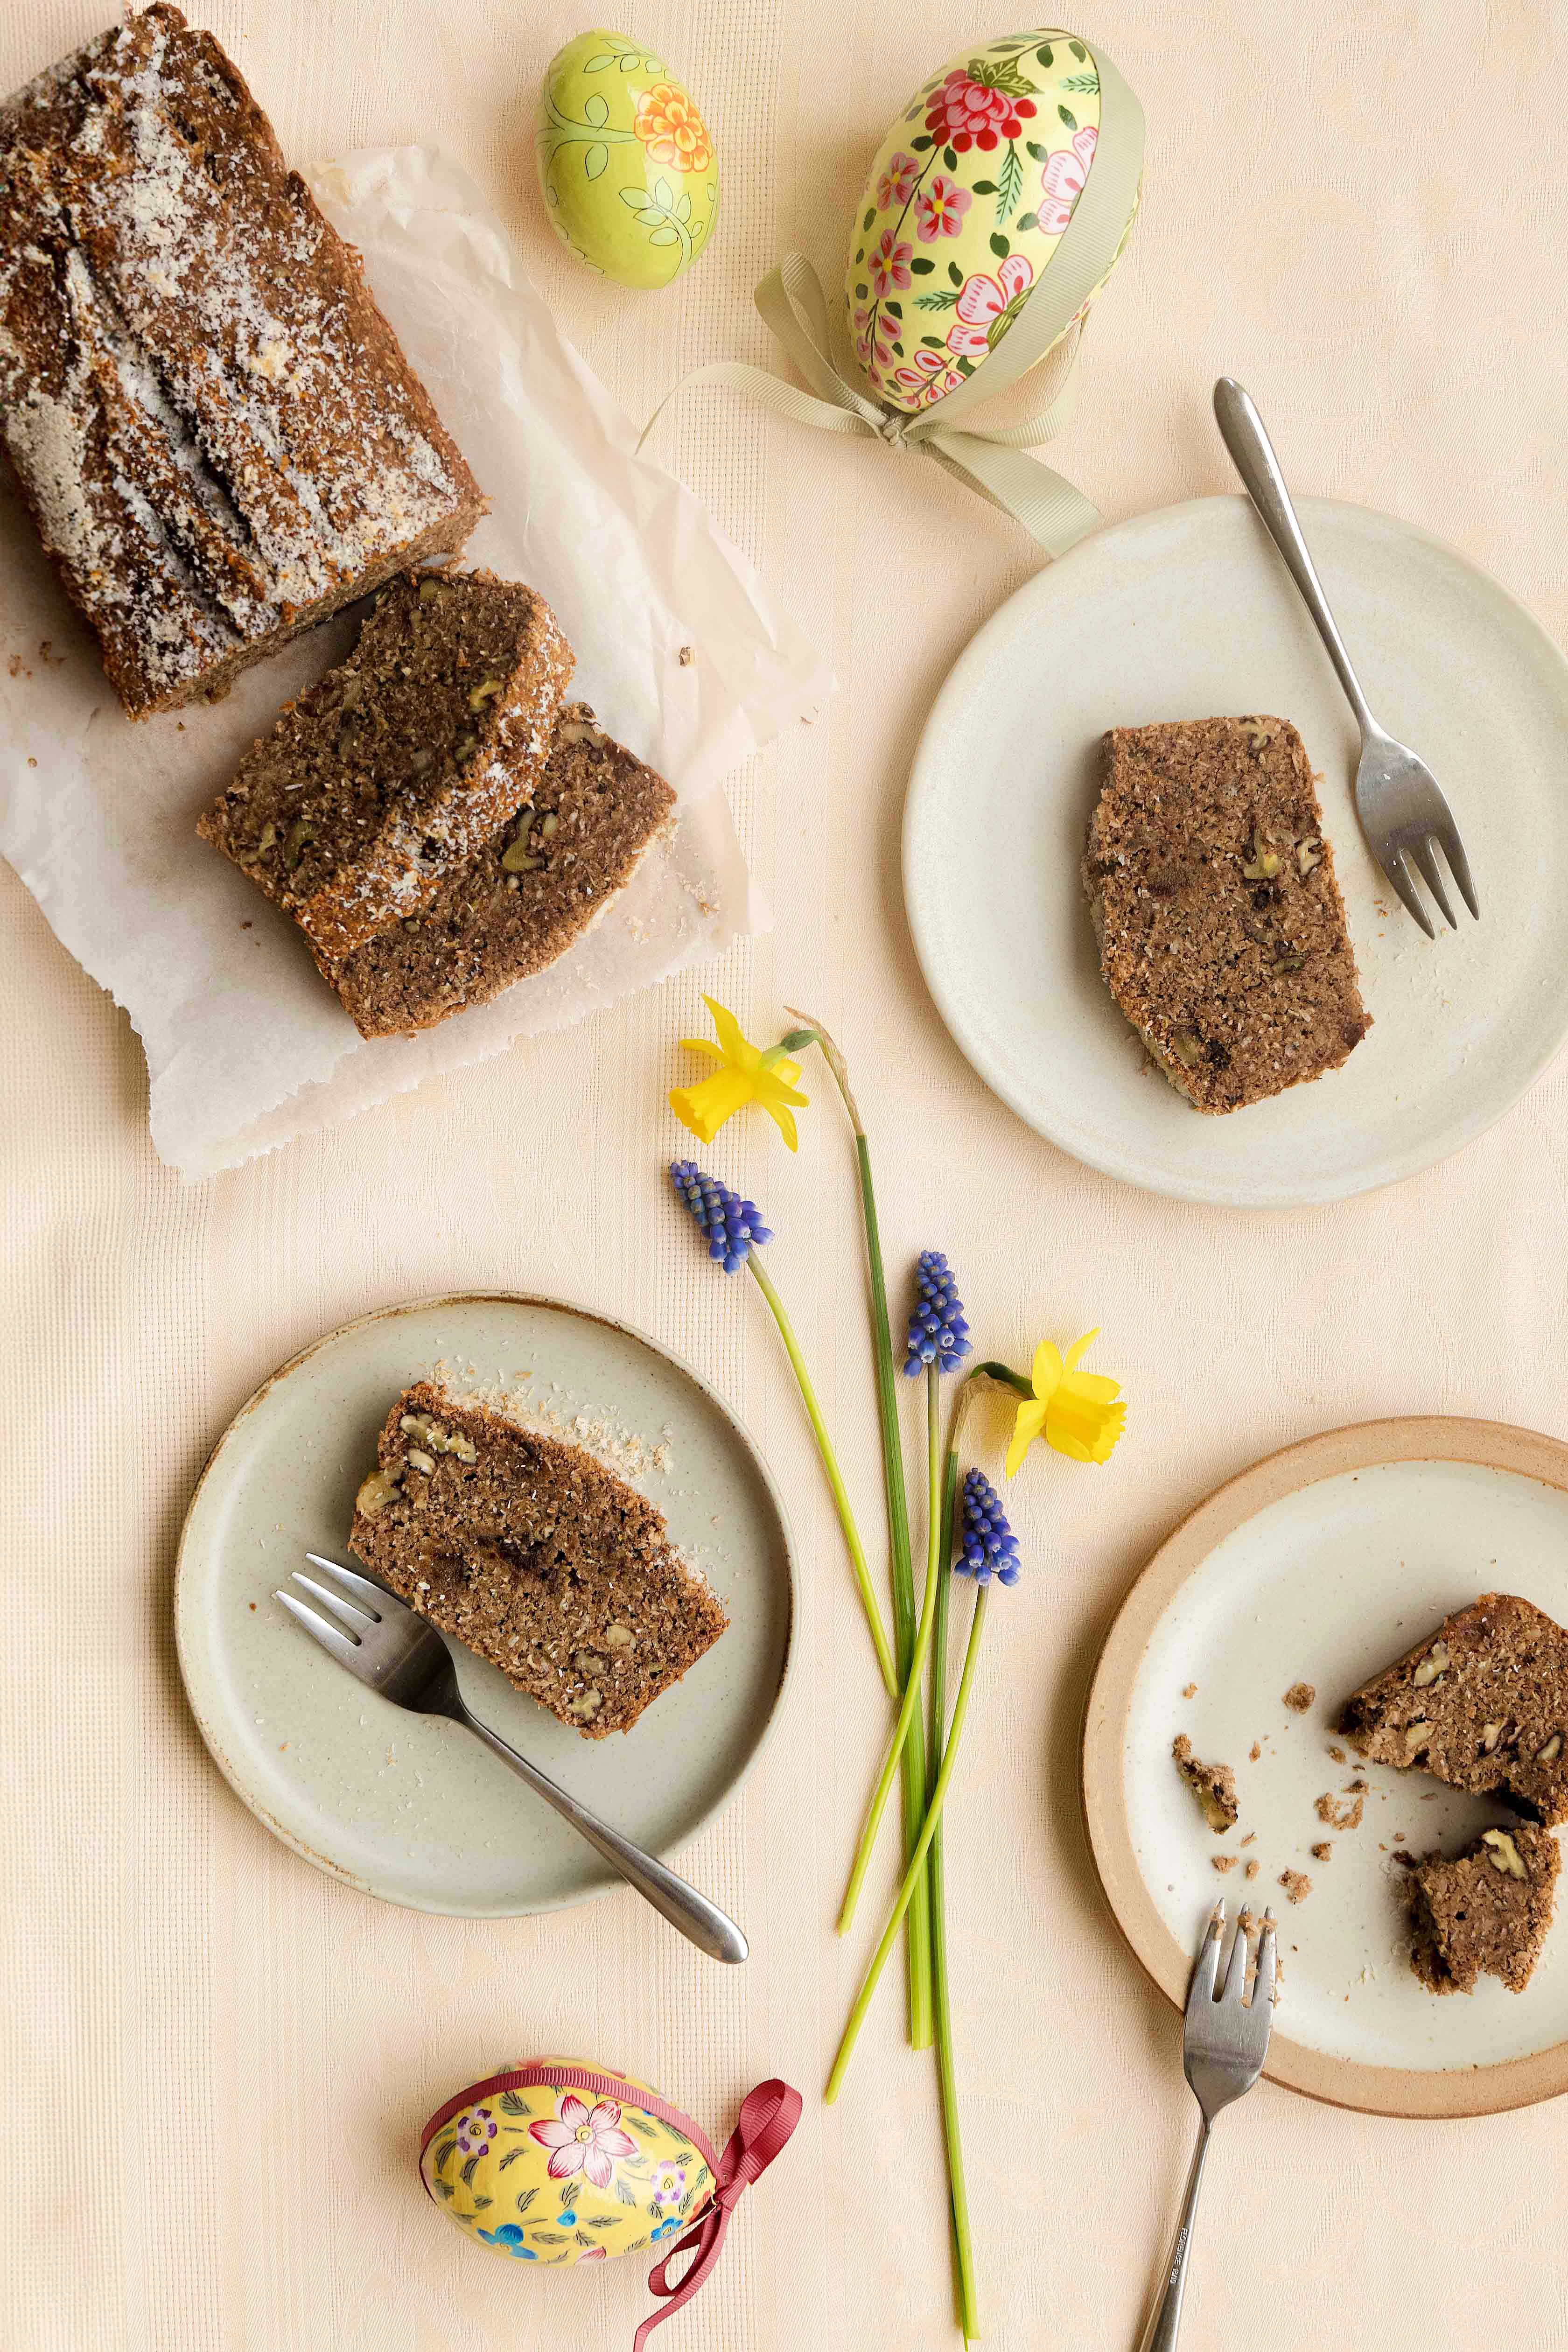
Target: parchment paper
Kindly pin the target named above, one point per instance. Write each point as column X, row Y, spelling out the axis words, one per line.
column 245, row 1045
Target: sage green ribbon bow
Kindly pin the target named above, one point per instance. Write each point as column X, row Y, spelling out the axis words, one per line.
column 989, row 458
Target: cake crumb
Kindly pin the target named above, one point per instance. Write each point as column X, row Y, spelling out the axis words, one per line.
column 1213, row 1785
column 1336, row 1815
column 1254, row 1752
column 688, row 656
column 1249, row 1838
column 1337, row 1755
column 1191, row 1691
column 1223, row 1860
column 1322, row 1850
column 1253, row 1868
column 1297, row 1884
column 1300, row 1697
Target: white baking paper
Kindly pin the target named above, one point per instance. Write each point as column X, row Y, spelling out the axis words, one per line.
column 245, row 1045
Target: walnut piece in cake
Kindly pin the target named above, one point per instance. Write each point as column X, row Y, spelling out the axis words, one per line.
column 1213, row 1785
column 1482, row 1703
column 1484, row 1913
column 535, row 1556
column 1222, row 932
column 213, row 426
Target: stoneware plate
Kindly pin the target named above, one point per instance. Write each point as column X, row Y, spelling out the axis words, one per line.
column 1319, row 1566
column 1189, row 614
column 417, row 1811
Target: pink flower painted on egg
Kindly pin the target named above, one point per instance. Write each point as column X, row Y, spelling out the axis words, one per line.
column 889, row 264
column 1064, row 176
column 897, row 183
column 940, row 209
column 988, row 306
column 584, row 2140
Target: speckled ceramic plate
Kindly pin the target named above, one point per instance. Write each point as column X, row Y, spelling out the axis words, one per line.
column 1186, row 614
column 417, row 1811
column 1321, row 1565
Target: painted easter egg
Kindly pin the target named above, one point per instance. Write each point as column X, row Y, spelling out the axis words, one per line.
column 968, row 221
column 625, row 160
column 554, row 2160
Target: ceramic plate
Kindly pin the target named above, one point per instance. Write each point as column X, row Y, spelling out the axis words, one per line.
column 1319, row 1566
column 1186, row 614
column 417, row 1811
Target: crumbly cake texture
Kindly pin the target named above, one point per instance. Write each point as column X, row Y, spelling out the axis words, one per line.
column 1222, row 932
column 1481, row 1704
column 534, row 1555
column 1300, row 1697
column 213, row 426
column 1485, row 1912
column 533, row 888
column 1213, row 1785
column 383, row 780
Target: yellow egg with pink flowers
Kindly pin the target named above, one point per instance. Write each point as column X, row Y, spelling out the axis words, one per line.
column 997, row 205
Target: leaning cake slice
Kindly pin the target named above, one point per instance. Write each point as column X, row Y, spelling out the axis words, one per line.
column 1222, row 932
column 387, row 776
column 534, row 1554
column 1482, row 1703
column 1485, row 1912
column 522, row 901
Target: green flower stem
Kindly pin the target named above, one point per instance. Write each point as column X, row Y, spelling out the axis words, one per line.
column 830, row 1463
column 946, row 2069
column 914, row 1875
column 900, row 1569
column 908, row 1712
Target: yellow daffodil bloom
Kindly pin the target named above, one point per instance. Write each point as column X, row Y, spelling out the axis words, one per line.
column 747, row 1075
column 1076, row 1413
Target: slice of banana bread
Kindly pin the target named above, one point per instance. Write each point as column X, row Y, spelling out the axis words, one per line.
column 387, row 776
column 535, row 1556
column 533, row 888
column 1222, row 932
column 1484, row 1913
column 1482, row 1703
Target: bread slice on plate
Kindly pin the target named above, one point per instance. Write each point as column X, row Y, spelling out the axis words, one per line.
column 1485, row 1912
column 534, row 1555
column 1222, row 932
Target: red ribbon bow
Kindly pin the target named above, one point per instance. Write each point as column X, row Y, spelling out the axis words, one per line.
column 768, row 2115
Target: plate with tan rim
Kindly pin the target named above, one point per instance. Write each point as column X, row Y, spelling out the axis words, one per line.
column 416, row 1809
column 1317, row 1567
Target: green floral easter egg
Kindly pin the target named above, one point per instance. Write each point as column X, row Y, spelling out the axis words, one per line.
column 970, row 199
column 625, row 160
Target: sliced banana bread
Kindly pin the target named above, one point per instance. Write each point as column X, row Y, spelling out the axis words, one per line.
column 533, row 888
column 1222, row 932
column 1482, row 1703
column 1484, row 1913
column 535, row 1556
column 386, row 777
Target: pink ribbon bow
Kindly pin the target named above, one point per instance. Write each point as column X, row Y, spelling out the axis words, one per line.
column 768, row 2115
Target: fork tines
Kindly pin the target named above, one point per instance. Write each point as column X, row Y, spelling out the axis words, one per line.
column 354, row 1601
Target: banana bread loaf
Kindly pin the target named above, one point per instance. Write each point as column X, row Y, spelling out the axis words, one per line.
column 213, row 426
column 535, row 1556
column 392, row 773
column 1222, row 932
column 1484, row 1913
column 548, row 872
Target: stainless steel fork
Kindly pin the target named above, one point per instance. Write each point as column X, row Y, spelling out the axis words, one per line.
column 1404, row 815
column 401, row 1654
column 1224, row 2045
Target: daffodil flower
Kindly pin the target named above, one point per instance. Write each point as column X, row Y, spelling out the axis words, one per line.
column 748, row 1073
column 1076, row 1413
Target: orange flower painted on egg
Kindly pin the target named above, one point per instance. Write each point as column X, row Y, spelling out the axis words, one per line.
column 671, row 129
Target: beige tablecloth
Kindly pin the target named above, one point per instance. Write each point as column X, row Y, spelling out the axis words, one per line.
column 215, row 2059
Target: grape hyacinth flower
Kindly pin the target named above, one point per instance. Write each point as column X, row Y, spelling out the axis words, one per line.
column 990, row 1547
column 735, row 1231
column 734, row 1226
column 938, row 1332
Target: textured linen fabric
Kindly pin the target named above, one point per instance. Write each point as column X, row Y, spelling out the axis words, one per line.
column 215, row 2060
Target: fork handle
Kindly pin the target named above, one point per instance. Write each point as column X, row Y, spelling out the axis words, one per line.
column 1242, row 430
column 701, row 1922
column 1160, row 2336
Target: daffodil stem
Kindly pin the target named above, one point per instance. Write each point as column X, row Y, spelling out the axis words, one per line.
column 914, row 1877
column 830, row 1463
column 909, row 1711
column 941, row 2008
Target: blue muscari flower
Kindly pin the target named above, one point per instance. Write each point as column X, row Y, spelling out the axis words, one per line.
column 734, row 1227
column 990, row 1547
column 938, row 1332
